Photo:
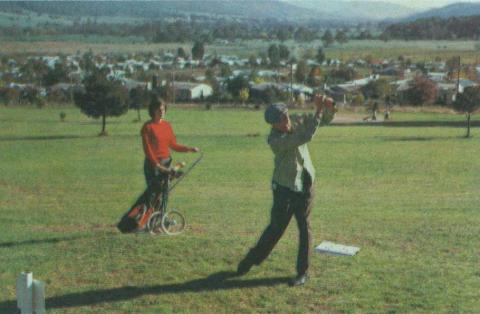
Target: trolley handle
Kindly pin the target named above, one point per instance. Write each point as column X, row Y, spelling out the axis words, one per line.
column 184, row 174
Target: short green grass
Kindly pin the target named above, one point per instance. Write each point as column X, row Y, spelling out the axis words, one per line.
column 406, row 193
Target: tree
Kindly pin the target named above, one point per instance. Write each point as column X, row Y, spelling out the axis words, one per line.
column 235, row 85
column 225, row 70
column 283, row 52
column 301, row 72
column 283, row 33
column 422, row 91
column 139, row 98
column 181, row 52
column 87, row 62
column 274, row 55
column 252, row 61
column 327, row 38
column 243, row 95
column 358, row 99
column 314, row 77
column 453, row 67
column 341, row 36
column 57, row 74
column 343, row 73
column 198, row 50
column 376, row 89
column 320, row 55
column 304, row 34
column 101, row 97
column 468, row 102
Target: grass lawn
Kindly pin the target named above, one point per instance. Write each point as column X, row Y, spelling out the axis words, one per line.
column 407, row 193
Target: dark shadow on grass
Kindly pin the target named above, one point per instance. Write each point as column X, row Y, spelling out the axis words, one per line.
column 217, row 281
column 41, row 241
column 410, row 139
column 419, row 138
column 60, row 137
column 57, row 121
column 43, row 137
column 413, row 124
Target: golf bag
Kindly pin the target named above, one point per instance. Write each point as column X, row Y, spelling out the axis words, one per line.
column 137, row 217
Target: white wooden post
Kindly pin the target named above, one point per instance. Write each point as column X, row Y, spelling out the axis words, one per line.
column 39, row 297
column 24, row 293
column 30, row 294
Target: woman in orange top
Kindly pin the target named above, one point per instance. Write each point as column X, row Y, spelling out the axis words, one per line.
column 158, row 138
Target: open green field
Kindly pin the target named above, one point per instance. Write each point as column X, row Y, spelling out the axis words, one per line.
column 426, row 50
column 406, row 192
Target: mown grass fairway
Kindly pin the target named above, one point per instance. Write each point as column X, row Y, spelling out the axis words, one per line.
column 407, row 194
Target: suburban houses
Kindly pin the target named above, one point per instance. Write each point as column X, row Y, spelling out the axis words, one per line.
column 188, row 78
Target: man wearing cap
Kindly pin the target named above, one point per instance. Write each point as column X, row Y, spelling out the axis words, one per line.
column 292, row 184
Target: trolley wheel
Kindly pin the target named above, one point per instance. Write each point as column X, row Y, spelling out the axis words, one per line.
column 173, row 222
column 154, row 223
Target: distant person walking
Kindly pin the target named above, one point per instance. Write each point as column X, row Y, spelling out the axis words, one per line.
column 292, row 184
column 386, row 115
column 374, row 111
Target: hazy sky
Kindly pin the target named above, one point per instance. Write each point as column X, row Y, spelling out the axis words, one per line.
column 425, row 4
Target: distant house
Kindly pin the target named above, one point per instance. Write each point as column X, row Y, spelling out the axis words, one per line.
column 261, row 90
column 446, row 93
column 268, row 73
column 299, row 90
column 190, row 91
column 131, row 84
column 389, row 71
column 437, row 76
column 400, row 89
column 463, row 83
column 341, row 92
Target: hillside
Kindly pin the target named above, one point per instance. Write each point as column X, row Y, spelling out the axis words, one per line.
column 452, row 28
column 355, row 10
column 270, row 9
column 453, row 10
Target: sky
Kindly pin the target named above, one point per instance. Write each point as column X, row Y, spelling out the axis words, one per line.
column 426, row 4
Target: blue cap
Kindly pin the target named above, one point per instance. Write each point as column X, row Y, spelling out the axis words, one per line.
column 274, row 113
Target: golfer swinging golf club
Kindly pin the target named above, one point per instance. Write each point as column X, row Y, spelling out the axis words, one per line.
column 292, row 183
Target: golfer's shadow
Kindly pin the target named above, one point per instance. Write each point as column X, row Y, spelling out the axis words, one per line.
column 218, row 281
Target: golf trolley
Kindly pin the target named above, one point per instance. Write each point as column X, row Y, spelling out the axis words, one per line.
column 162, row 219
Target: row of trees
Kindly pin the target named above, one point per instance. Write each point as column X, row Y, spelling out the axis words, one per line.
column 184, row 31
column 465, row 27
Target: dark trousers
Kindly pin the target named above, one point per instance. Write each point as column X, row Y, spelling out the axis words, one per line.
column 154, row 182
column 287, row 203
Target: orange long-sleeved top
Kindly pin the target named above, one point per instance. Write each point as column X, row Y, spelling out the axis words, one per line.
column 158, row 138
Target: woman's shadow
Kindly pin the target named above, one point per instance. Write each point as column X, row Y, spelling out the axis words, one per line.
column 223, row 280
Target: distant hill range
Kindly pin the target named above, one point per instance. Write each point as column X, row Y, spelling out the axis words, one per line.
column 270, row 9
column 453, row 10
column 323, row 12
column 357, row 11
column 347, row 12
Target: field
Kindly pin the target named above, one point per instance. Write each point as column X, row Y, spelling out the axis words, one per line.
column 415, row 50
column 406, row 192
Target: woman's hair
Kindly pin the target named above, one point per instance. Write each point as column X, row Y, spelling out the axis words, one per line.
column 155, row 103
